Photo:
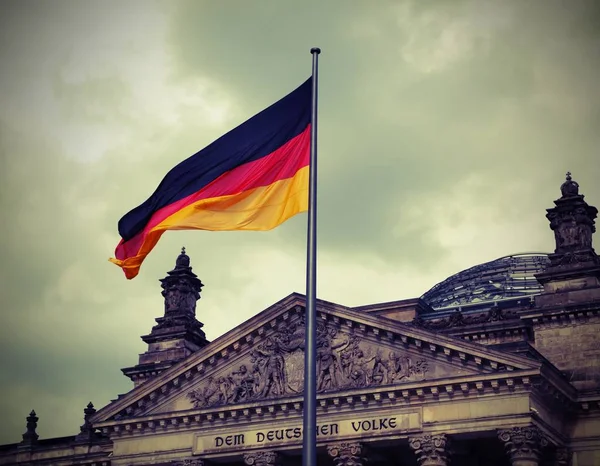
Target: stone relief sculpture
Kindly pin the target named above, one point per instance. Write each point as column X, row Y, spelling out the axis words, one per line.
column 275, row 367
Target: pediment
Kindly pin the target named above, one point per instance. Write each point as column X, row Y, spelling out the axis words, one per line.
column 263, row 359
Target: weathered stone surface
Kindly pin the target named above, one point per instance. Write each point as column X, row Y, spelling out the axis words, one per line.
column 574, row 348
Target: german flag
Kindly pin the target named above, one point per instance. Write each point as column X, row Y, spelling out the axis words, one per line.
column 253, row 178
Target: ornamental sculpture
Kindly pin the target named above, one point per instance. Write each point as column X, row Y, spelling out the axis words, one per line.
column 573, row 222
column 275, row 367
column 181, row 288
column 347, row 454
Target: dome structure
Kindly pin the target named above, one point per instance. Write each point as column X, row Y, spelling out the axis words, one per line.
column 500, row 279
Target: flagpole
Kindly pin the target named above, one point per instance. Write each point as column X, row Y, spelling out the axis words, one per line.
column 309, row 450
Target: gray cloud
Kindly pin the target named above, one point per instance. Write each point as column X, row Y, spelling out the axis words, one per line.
column 410, row 109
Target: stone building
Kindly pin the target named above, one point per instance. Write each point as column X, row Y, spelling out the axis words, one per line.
column 498, row 365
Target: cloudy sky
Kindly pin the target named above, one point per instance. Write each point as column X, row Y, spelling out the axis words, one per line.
column 446, row 128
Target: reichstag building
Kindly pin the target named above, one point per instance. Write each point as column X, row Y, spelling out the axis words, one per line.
column 497, row 365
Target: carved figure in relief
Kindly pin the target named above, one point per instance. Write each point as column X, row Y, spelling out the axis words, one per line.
column 586, row 227
column 419, row 368
column 347, row 356
column 329, row 368
column 270, row 368
column 403, row 367
column 244, row 383
column 569, row 233
column 343, row 361
column 225, row 391
column 380, row 374
column 398, row 367
column 360, row 376
column 180, row 296
column 207, row 396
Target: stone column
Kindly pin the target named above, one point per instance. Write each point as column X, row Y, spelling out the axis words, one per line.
column 562, row 457
column 347, row 454
column 431, row 450
column 523, row 445
column 263, row 458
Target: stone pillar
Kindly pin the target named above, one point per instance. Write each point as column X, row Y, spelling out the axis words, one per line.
column 263, row 458
column 523, row 445
column 562, row 457
column 347, row 454
column 431, row 450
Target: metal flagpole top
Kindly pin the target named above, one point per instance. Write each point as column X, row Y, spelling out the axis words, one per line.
column 316, row 50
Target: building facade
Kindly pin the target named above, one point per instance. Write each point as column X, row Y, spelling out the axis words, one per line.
column 498, row 365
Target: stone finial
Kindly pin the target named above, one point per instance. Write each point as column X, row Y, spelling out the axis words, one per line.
column 30, row 436
column 523, row 444
column 181, row 287
column 183, row 260
column 262, row 458
column 347, row 453
column 86, row 430
column 569, row 188
column 431, row 450
column 89, row 411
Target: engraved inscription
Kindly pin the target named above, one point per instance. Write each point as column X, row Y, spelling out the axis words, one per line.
column 406, row 421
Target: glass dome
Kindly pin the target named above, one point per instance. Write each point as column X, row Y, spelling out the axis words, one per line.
column 503, row 278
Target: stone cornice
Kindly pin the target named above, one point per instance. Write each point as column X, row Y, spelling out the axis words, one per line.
column 513, row 329
column 563, row 314
column 97, row 454
column 413, row 303
column 257, row 328
column 554, row 378
column 494, row 316
column 588, row 403
column 409, row 394
column 426, row 340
